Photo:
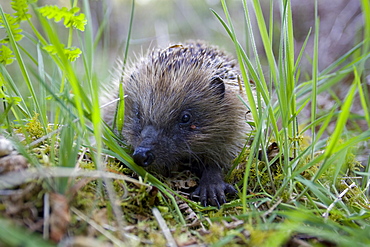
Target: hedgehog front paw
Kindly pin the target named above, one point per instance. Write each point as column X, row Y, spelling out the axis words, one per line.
column 213, row 192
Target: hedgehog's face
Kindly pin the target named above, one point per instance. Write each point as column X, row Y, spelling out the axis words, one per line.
column 165, row 125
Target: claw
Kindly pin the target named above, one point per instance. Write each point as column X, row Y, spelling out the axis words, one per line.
column 213, row 194
column 212, row 189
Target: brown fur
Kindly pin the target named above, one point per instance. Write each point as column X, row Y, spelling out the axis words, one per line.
column 163, row 91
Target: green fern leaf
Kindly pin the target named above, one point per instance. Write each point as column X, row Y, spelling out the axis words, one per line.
column 6, row 55
column 14, row 27
column 11, row 100
column 72, row 53
column 77, row 21
column 21, row 8
column 71, row 18
column 50, row 49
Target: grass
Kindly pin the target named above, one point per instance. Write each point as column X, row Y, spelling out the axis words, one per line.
column 309, row 190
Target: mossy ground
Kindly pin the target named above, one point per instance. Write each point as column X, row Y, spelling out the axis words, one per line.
column 67, row 179
column 204, row 226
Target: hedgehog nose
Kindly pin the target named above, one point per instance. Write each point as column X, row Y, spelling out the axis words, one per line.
column 143, row 156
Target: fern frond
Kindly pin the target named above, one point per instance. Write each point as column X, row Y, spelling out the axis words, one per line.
column 10, row 100
column 72, row 53
column 13, row 26
column 21, row 8
column 71, row 18
column 6, row 55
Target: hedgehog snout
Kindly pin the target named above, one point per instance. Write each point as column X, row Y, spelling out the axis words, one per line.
column 143, row 156
column 144, row 153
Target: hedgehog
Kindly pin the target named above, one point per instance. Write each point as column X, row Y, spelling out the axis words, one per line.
column 182, row 111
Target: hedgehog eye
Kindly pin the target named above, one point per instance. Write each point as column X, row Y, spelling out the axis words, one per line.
column 185, row 118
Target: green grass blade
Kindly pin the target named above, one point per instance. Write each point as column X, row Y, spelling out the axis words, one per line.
column 261, row 87
column 13, row 235
column 306, row 222
column 129, row 32
column 259, row 77
column 366, row 15
column 120, row 113
column 342, row 59
column 42, row 91
column 315, row 70
column 68, row 152
column 15, row 92
column 365, row 102
column 22, row 65
column 319, row 191
column 248, row 88
column 88, row 43
column 341, row 122
column 120, row 110
column 265, row 39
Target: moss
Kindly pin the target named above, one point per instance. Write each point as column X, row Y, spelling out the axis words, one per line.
column 157, row 238
column 259, row 237
column 216, row 231
column 32, row 129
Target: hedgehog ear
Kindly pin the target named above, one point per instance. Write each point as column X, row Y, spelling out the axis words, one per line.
column 218, row 85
